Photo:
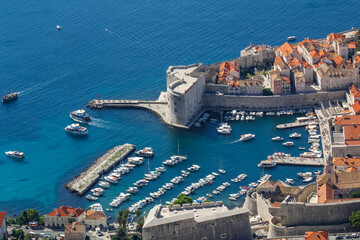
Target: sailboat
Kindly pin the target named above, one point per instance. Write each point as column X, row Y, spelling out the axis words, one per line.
column 220, row 169
column 178, row 157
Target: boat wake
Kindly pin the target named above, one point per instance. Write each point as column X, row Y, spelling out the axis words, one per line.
column 96, row 122
column 235, row 141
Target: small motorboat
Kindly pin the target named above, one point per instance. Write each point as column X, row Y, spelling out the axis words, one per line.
column 302, row 148
column 288, row 144
column 109, row 209
column 58, row 27
column 146, row 152
column 278, row 138
column 80, row 116
column 91, row 198
column 246, row 137
column 267, row 164
column 15, row 154
column 291, row 38
column 222, row 171
column 295, row 135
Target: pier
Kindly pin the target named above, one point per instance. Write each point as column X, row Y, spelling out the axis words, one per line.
column 292, row 125
column 297, row 161
column 82, row 182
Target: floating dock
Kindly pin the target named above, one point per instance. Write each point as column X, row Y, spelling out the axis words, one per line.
column 292, row 125
column 298, row 161
column 82, row 182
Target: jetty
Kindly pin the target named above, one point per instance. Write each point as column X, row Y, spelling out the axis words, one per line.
column 297, row 161
column 292, row 125
column 83, row 181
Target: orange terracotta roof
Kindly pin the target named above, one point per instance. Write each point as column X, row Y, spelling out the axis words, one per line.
column 352, row 45
column 352, row 134
column 319, row 235
column 325, row 192
column 286, row 49
column 351, row 169
column 304, row 41
column 356, row 107
column 2, row 217
column 348, row 120
column 223, row 74
column 66, row 212
column 333, row 36
column 314, row 54
column 259, row 49
column 224, row 65
column 324, row 45
column 96, row 215
column 354, row 91
column 233, row 83
column 294, row 62
column 305, row 64
column 285, row 79
column 344, row 161
column 357, row 59
column 278, row 59
column 337, row 61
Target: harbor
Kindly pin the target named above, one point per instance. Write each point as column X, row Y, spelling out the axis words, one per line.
column 298, row 161
column 82, row 182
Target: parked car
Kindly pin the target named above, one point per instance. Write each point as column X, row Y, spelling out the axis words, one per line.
column 355, row 235
column 339, row 237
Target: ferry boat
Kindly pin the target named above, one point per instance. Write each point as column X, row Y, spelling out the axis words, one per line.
column 80, row 116
column 266, row 164
column 288, row 144
column 304, row 175
column 295, row 135
column 146, row 152
column 10, row 97
column 76, row 129
column 15, row 154
column 291, row 38
column 278, row 138
column 302, row 148
column 246, row 137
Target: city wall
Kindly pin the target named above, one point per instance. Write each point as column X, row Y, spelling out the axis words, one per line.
column 276, row 230
column 307, row 190
column 268, row 103
column 250, row 204
column 293, row 214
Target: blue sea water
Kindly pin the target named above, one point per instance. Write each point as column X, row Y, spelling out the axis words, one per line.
column 60, row 71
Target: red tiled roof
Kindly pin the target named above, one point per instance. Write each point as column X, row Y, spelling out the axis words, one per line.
column 337, row 61
column 319, row 235
column 259, row 49
column 352, row 45
column 66, row 212
column 348, row 120
column 285, row 79
column 350, row 162
column 233, row 83
column 286, row 49
column 333, row 36
column 224, row 65
column 356, row 107
column 304, row 41
column 305, row 64
column 357, row 59
column 351, row 169
column 96, row 215
column 314, row 54
column 354, row 91
column 2, row 217
column 325, row 193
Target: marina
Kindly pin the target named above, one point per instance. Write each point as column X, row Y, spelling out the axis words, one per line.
column 82, row 182
column 298, row 161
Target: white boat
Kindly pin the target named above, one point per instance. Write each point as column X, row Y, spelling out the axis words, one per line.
column 80, row 116
column 277, row 138
column 58, row 27
column 136, row 160
column 179, row 158
column 267, row 164
column 310, row 155
column 307, row 179
column 291, row 38
column 111, row 179
column 306, row 174
column 301, row 148
column 91, row 198
column 197, row 124
column 15, row 154
column 289, row 181
column 132, row 190
column 246, row 137
column 288, row 144
column 160, row 169
column 104, row 184
column 224, row 128
column 295, row 135
column 222, row 171
column 146, row 152
column 317, row 172
column 76, row 129
column 215, row 173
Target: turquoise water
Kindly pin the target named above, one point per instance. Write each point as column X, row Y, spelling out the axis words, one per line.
column 59, row 71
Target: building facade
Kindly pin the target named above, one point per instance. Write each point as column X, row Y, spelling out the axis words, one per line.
column 75, row 231
column 3, row 231
column 64, row 215
column 95, row 219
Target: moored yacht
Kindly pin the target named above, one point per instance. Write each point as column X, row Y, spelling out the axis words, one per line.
column 277, row 138
column 136, row 160
column 76, row 129
column 291, row 38
column 146, row 152
column 15, row 154
column 295, row 135
column 80, row 116
column 266, row 164
column 288, row 144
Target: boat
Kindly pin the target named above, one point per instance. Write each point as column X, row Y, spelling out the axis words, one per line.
column 104, row 184
column 307, row 179
column 246, row 137
column 288, row 144
column 113, row 180
column 224, row 128
column 197, row 124
column 161, row 169
column 132, row 190
column 277, row 138
column 215, row 173
column 136, row 160
column 58, row 27
column 76, row 129
column 291, row 38
column 295, row 135
column 317, row 172
column 301, row 148
column 15, row 154
column 310, row 155
column 222, row 171
column 289, row 181
column 91, row 198
column 266, row 164
column 304, row 175
column 10, row 97
column 109, row 209
column 209, row 195
column 80, row 116
column 146, row 152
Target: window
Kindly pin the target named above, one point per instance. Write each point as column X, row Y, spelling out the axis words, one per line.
column 223, row 235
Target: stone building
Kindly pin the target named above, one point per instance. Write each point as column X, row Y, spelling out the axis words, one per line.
column 75, row 231
column 204, row 221
column 94, row 219
column 280, row 85
column 185, row 88
column 3, row 231
column 256, row 55
column 62, row 216
column 346, row 164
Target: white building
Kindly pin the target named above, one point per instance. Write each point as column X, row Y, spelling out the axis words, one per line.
column 64, row 215
column 94, row 219
column 3, row 231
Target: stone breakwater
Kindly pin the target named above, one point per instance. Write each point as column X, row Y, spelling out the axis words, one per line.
column 82, row 182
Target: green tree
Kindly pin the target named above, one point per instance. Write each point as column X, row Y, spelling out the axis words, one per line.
column 120, row 234
column 267, row 92
column 355, row 194
column 140, row 224
column 182, row 198
column 124, row 218
column 32, row 215
column 355, row 219
column 41, row 221
column 120, row 216
column 28, row 237
column 137, row 214
column 18, row 234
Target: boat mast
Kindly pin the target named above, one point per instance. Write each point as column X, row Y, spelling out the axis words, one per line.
column 178, row 148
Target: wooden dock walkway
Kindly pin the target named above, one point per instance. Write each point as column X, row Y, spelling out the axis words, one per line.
column 82, row 182
column 298, row 161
